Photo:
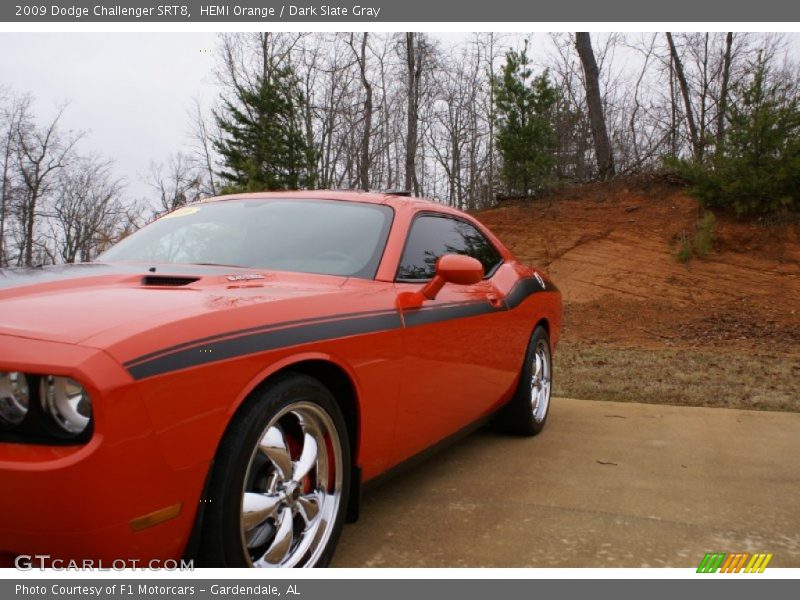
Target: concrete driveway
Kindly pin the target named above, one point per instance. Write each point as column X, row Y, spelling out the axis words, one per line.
column 606, row 485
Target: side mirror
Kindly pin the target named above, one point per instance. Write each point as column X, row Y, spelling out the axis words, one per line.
column 453, row 268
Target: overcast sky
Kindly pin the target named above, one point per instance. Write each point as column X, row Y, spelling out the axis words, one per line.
column 130, row 92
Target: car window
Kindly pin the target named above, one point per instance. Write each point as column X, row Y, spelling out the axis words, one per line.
column 202, row 242
column 432, row 236
column 309, row 236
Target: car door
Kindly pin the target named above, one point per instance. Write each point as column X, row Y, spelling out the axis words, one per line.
column 456, row 364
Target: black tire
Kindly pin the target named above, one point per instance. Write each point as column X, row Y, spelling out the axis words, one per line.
column 250, row 465
column 518, row 417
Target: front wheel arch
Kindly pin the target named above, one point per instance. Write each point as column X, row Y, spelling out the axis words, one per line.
column 341, row 385
column 328, row 370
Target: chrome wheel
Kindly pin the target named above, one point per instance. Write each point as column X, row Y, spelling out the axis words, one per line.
column 540, row 381
column 292, row 489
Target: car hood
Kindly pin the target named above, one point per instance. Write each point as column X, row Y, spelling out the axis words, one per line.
column 99, row 305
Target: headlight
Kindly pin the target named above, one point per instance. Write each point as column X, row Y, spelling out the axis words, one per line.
column 14, row 397
column 67, row 403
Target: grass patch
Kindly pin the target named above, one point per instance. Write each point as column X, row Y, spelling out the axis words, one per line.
column 678, row 377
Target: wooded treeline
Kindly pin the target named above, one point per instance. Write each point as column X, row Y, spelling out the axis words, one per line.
column 465, row 123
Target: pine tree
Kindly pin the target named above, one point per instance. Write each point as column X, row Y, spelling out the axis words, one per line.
column 757, row 170
column 526, row 137
column 262, row 143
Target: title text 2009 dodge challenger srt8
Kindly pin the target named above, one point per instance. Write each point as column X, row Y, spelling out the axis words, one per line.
column 220, row 384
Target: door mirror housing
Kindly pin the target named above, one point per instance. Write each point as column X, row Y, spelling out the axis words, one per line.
column 453, row 268
column 459, row 269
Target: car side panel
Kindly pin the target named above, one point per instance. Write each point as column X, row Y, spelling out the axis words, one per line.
column 191, row 407
column 456, row 369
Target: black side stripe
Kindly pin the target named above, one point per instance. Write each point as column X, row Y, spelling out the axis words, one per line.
column 446, row 313
column 264, row 328
column 256, row 329
column 522, row 289
column 292, row 333
column 263, row 341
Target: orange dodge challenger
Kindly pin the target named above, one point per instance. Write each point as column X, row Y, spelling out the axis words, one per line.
column 220, row 384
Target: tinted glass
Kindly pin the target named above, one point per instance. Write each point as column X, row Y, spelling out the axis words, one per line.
column 309, row 236
column 432, row 237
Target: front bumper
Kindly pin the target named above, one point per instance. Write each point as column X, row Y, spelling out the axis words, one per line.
column 77, row 502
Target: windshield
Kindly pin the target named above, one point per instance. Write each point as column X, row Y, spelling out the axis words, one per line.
column 310, row 236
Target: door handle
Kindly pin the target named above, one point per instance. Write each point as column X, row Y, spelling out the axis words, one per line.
column 496, row 300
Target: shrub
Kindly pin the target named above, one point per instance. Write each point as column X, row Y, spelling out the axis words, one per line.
column 756, row 170
column 700, row 243
column 704, row 234
column 684, row 252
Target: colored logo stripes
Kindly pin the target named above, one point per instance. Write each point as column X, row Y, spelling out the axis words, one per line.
column 719, row 562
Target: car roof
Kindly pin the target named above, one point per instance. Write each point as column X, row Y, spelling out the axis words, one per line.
column 394, row 200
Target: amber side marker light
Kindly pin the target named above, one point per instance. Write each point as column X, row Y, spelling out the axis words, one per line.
column 156, row 517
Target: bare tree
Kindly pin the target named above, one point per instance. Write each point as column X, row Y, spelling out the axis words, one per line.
column 332, row 115
column 14, row 111
column 203, row 150
column 413, row 77
column 570, row 116
column 41, row 153
column 389, row 172
column 176, row 181
column 248, row 57
column 88, row 208
column 602, row 146
column 723, row 93
column 364, row 153
column 680, row 74
column 490, row 58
